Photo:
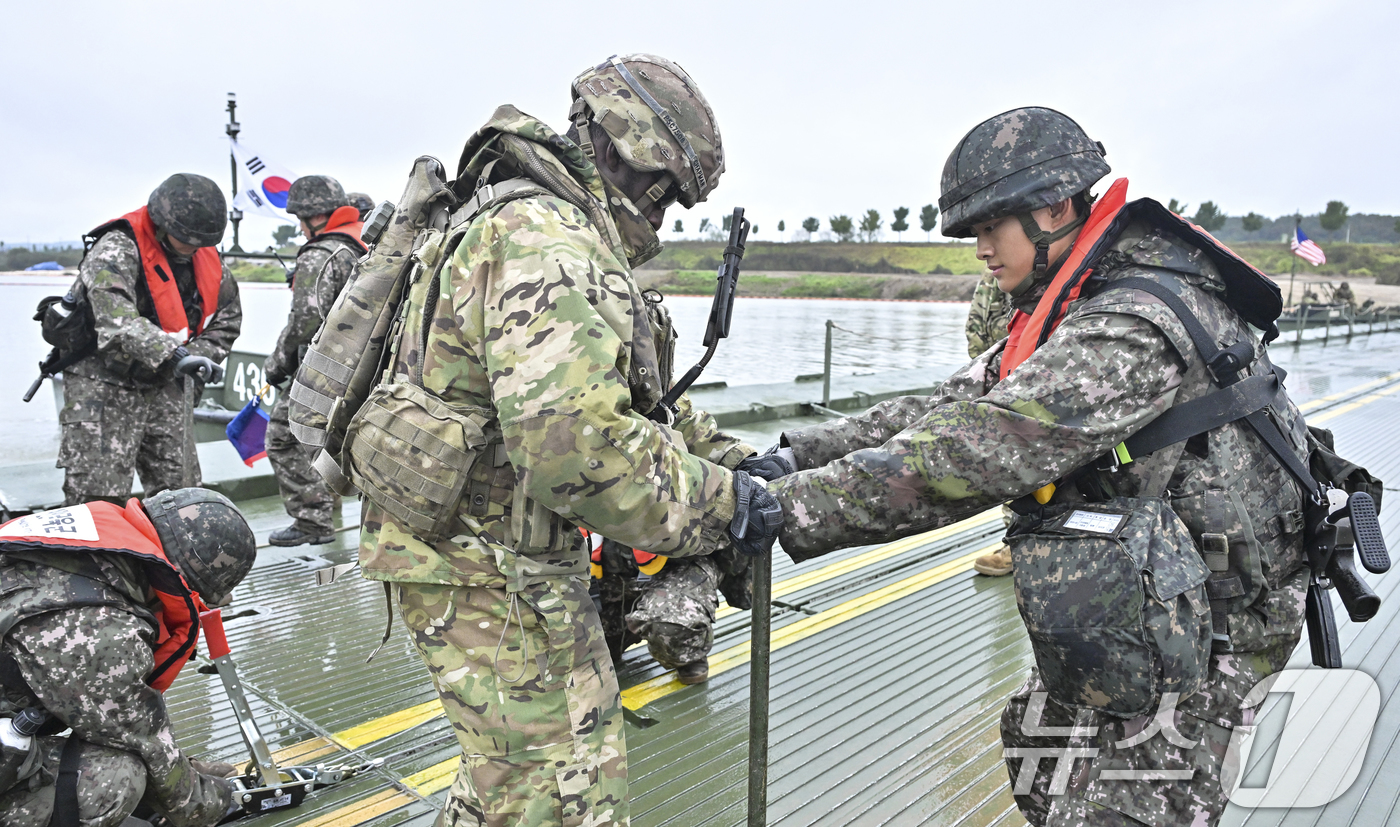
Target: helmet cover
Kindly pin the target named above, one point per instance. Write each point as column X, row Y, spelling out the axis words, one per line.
column 1014, row 163
column 190, row 208
column 657, row 119
column 315, row 195
column 206, row 537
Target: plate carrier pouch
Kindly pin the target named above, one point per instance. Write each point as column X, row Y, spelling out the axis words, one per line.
column 347, row 356
column 1113, row 597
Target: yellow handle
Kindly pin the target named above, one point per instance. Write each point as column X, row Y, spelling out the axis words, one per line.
column 1043, row 495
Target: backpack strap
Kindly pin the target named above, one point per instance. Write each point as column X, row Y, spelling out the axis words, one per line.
column 65, row 791
column 1225, row 365
column 488, row 196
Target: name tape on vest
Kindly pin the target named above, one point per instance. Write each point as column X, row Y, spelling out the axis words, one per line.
column 1095, row 522
column 73, row 523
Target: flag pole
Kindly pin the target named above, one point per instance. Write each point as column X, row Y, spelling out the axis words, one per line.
column 231, row 129
column 1293, row 268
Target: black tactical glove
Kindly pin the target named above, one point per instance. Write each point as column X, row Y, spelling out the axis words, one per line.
column 274, row 376
column 758, row 517
column 771, row 464
column 200, row 367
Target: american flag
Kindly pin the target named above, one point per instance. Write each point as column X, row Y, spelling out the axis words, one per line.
column 1306, row 249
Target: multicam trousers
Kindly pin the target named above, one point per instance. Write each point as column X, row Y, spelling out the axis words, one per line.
column 529, row 688
column 1174, row 755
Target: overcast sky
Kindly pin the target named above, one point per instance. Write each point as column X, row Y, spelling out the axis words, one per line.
column 825, row 107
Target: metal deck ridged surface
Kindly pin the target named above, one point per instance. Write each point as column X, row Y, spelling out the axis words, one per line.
column 889, row 671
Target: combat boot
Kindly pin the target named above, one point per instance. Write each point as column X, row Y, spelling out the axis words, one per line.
column 293, row 535
column 996, row 564
column 694, row 672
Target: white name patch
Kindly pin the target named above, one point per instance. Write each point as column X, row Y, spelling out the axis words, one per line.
column 1094, row 521
column 74, row 523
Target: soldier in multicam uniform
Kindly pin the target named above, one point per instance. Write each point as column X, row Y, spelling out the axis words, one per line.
column 988, row 321
column 538, row 328
column 989, row 317
column 165, row 311
column 90, row 633
column 1025, row 414
column 324, row 264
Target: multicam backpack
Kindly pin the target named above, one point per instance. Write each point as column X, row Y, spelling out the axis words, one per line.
column 382, row 434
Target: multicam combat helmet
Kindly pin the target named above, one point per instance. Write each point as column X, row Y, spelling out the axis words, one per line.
column 190, row 208
column 658, row 121
column 315, row 195
column 1014, row 163
column 360, row 201
column 206, row 538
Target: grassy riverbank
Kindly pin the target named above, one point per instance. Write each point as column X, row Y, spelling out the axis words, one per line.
column 816, row 285
column 1358, row 260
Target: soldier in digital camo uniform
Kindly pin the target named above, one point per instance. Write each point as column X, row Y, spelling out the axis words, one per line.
column 1019, row 182
column 324, row 264
column 166, row 312
column 86, row 637
column 537, row 323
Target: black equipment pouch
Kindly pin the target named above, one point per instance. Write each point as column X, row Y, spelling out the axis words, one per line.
column 1113, row 597
column 66, row 321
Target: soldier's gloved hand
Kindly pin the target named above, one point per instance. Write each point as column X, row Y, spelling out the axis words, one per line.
column 758, row 517
column 273, row 373
column 771, row 464
column 201, row 367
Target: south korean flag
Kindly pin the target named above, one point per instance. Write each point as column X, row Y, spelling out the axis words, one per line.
column 262, row 185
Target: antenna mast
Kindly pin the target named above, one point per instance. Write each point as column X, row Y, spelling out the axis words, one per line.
column 235, row 215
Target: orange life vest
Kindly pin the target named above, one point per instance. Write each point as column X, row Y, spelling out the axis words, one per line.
column 160, row 279
column 345, row 222
column 1248, row 291
column 104, row 527
column 648, row 563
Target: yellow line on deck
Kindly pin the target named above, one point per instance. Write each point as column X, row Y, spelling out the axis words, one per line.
column 439, row 776
column 391, row 724
column 638, row 696
column 875, row 555
column 405, row 719
column 1351, row 406
column 362, row 810
column 1313, row 404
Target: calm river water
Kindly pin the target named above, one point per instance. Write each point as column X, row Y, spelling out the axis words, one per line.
column 771, row 340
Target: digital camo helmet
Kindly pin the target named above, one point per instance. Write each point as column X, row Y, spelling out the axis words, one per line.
column 658, row 121
column 315, row 195
column 190, row 208
column 206, row 538
column 362, row 202
column 1014, row 163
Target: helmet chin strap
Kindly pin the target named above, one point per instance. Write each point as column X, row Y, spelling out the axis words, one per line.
column 1042, row 238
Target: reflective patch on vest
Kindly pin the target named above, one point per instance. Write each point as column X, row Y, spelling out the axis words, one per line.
column 73, row 523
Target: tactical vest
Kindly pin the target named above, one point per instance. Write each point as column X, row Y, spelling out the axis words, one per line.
column 169, row 306
column 532, row 545
column 1243, row 512
column 101, row 527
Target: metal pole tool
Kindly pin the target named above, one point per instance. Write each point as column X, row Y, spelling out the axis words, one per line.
column 760, row 647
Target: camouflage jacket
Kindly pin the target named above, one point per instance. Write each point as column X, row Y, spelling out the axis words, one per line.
column 988, row 317
column 537, row 321
column 1117, row 362
column 132, row 350
column 323, row 266
column 92, row 678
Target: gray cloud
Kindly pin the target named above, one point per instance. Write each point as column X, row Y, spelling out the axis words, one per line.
column 825, row 107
